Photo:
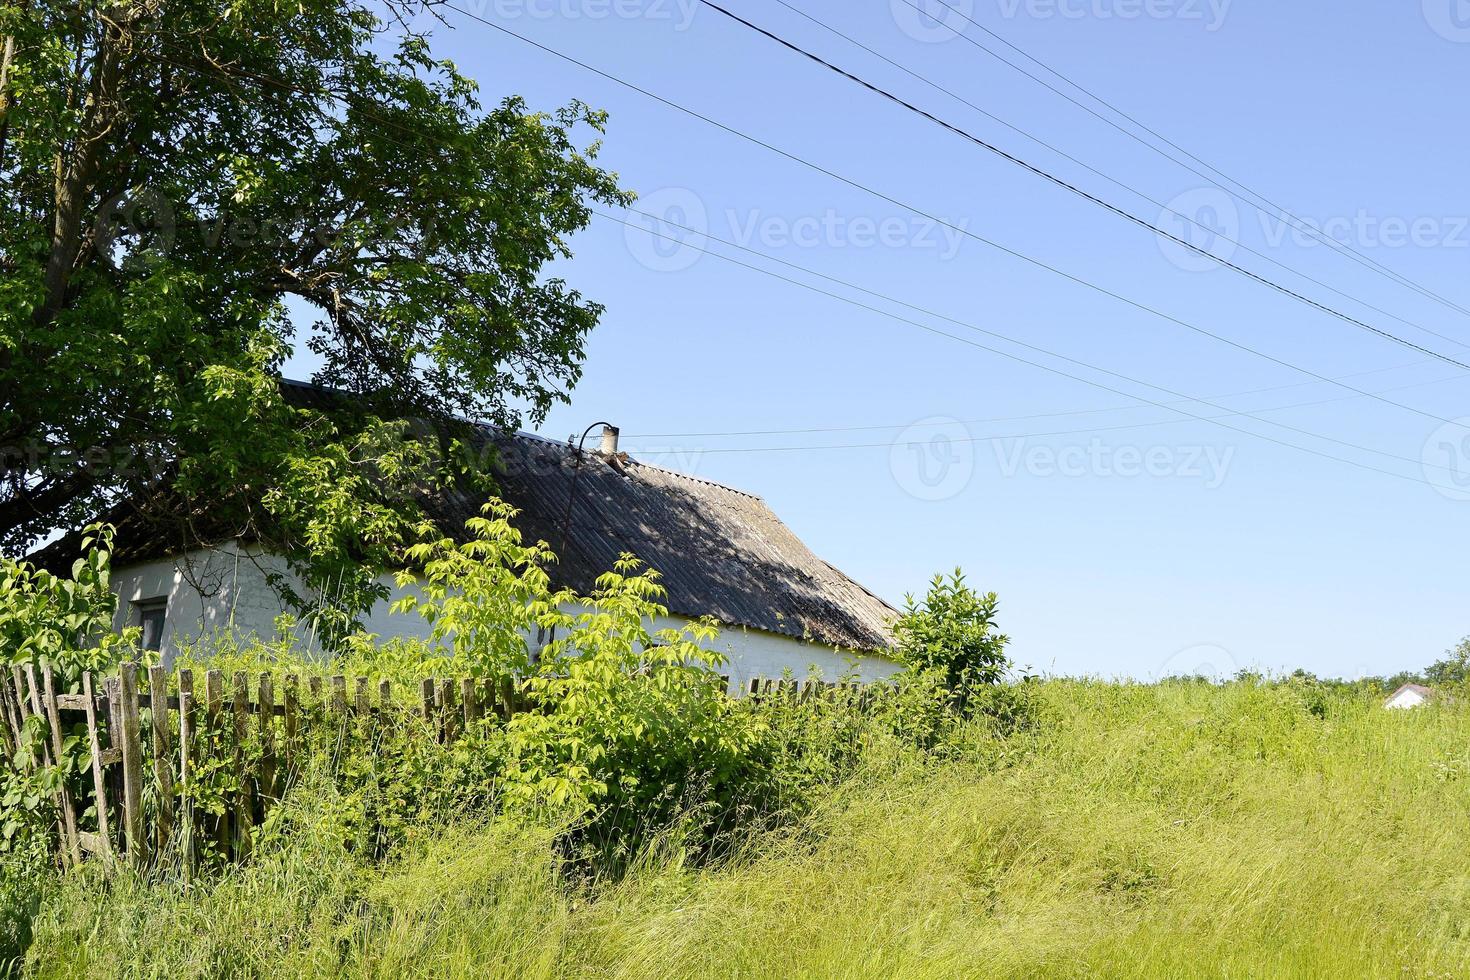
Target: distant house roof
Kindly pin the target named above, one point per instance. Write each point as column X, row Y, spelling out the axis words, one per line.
column 1425, row 693
column 721, row 552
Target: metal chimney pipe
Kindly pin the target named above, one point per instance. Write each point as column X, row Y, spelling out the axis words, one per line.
column 609, row 440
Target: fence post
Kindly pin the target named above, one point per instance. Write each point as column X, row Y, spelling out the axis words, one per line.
column 132, row 761
column 214, row 689
column 162, row 755
column 186, row 734
column 68, row 811
column 32, row 703
column 99, row 784
column 339, row 694
column 487, row 697
column 470, row 696
column 426, row 697
column 12, row 720
column 508, row 696
column 267, row 720
column 446, row 711
column 243, row 800
column 292, row 686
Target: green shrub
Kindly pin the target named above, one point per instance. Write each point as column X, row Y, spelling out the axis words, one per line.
column 952, row 630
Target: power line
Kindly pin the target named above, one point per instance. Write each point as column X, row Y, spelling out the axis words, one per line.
column 1057, row 371
column 728, row 450
column 816, row 430
column 1164, row 208
column 969, row 326
column 1188, row 415
column 928, row 216
column 1296, row 222
column 1084, row 194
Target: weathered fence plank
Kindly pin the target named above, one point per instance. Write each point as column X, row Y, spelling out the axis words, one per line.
column 446, row 711
column 187, row 852
column 293, row 684
column 53, row 718
column 244, row 799
column 129, row 735
column 470, row 698
column 99, row 781
column 266, row 718
column 162, row 755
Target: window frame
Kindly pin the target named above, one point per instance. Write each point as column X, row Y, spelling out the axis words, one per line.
column 147, row 608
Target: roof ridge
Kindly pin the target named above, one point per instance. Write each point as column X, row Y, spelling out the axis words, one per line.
column 538, row 437
column 546, row 440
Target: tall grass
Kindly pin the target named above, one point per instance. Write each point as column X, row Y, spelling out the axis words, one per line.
column 1168, row 831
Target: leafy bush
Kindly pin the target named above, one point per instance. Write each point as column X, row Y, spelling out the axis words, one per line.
column 953, row 631
column 66, row 623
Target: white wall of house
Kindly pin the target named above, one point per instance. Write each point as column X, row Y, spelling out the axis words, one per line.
column 226, row 591
column 1404, row 698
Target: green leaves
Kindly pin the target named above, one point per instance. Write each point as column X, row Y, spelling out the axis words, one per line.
column 236, row 158
column 953, row 631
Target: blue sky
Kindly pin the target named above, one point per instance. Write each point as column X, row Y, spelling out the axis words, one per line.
column 1117, row 548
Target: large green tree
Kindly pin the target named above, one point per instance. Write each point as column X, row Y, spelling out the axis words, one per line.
column 178, row 175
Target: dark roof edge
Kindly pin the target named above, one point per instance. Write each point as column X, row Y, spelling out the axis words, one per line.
column 537, row 437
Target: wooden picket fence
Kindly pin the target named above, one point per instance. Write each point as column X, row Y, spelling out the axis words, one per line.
column 186, row 729
column 859, row 693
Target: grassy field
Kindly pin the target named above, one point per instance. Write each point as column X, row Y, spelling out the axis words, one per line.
column 1183, row 830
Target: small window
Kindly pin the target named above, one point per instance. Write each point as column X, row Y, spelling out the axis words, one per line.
column 151, row 613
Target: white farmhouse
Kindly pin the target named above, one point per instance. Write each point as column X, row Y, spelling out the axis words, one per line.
column 721, row 553
column 1409, row 696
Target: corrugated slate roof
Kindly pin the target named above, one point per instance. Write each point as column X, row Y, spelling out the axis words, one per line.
column 721, row 552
